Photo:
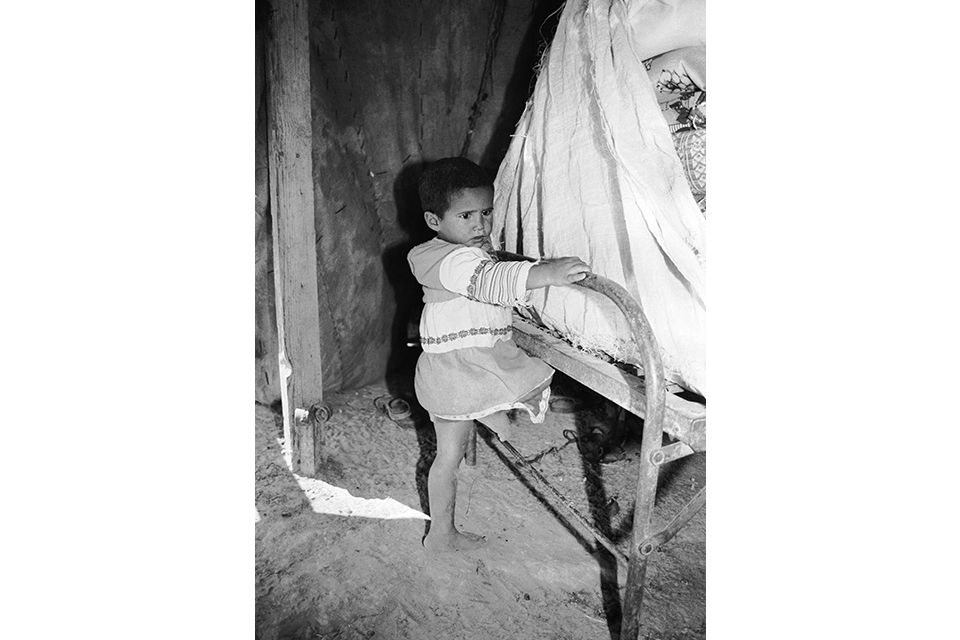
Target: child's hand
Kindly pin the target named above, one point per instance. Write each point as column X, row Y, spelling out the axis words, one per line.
column 557, row 271
column 567, row 270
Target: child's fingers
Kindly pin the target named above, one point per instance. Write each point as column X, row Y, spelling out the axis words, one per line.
column 571, row 269
column 578, row 271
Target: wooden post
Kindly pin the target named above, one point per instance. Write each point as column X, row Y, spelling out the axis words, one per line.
column 289, row 142
column 470, row 456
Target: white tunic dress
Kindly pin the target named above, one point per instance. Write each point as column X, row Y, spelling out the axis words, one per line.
column 470, row 366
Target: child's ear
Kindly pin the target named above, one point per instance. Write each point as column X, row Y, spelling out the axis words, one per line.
column 432, row 220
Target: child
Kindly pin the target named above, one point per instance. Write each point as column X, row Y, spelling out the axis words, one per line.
column 470, row 368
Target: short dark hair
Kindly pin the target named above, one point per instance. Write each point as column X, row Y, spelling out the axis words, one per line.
column 445, row 178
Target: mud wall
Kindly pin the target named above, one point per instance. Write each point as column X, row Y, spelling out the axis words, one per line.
column 394, row 85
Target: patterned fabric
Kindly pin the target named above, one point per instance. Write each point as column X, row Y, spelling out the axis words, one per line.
column 473, row 279
column 679, row 79
column 463, row 333
column 496, row 283
column 692, row 148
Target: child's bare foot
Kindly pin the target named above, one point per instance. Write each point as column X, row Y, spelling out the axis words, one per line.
column 454, row 541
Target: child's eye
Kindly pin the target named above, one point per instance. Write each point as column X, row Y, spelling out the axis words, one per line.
column 487, row 212
column 464, row 215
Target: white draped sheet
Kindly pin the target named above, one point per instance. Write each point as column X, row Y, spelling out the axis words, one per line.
column 592, row 172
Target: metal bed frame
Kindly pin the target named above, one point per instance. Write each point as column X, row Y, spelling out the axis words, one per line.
column 645, row 397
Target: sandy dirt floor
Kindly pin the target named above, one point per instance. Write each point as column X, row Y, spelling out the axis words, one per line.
column 326, row 576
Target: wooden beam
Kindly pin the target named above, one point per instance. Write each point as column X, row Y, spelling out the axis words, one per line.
column 683, row 419
column 289, row 143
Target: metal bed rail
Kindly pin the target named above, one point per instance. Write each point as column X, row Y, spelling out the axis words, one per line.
column 685, row 422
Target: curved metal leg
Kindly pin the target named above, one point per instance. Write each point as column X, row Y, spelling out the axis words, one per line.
column 650, row 443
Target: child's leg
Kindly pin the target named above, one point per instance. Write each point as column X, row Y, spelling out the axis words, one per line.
column 442, row 488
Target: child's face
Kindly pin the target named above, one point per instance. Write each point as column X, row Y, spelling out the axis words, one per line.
column 468, row 220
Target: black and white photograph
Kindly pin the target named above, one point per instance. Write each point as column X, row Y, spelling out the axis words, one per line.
column 474, row 286
column 481, row 319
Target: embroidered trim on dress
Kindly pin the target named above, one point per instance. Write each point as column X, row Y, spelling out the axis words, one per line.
column 473, row 279
column 466, row 332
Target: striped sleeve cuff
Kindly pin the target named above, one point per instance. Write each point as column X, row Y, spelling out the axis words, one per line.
column 471, row 273
column 500, row 283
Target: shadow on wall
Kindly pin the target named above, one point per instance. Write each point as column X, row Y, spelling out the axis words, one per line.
column 405, row 330
column 405, row 335
column 407, row 291
column 539, row 33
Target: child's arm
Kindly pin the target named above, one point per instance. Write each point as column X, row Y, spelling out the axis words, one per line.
column 471, row 273
column 557, row 271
